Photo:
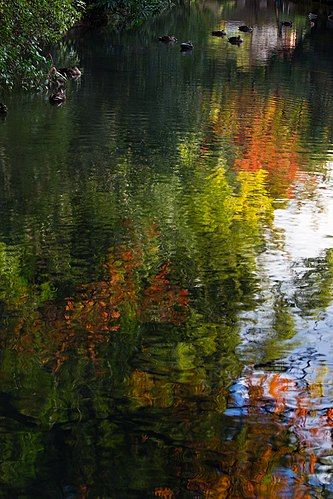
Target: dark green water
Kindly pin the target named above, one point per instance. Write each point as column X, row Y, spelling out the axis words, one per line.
column 166, row 264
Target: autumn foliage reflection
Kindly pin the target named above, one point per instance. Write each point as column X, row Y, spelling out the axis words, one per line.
column 102, row 307
column 115, row 302
column 267, row 136
column 270, row 145
column 282, row 444
column 279, row 441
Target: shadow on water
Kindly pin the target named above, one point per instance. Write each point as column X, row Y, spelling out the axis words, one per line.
column 166, row 263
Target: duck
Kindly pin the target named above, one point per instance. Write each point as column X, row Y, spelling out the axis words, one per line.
column 235, row 40
column 58, row 97
column 330, row 17
column 3, row 108
column 287, row 23
column 186, row 46
column 55, row 77
column 70, row 72
column 167, row 38
column 245, row 29
column 219, row 32
column 312, row 16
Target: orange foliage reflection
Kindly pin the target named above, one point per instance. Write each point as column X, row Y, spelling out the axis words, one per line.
column 97, row 310
column 267, row 136
column 270, row 144
column 280, row 441
column 165, row 493
column 283, row 438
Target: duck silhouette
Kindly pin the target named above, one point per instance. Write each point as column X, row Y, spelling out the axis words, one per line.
column 55, row 77
column 3, row 108
column 186, row 46
column 245, row 29
column 167, row 38
column 235, row 40
column 70, row 72
column 58, row 97
column 220, row 33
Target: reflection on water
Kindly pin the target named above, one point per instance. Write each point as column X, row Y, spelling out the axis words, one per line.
column 166, row 264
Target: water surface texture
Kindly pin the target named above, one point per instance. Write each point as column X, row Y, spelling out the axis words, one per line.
column 166, row 264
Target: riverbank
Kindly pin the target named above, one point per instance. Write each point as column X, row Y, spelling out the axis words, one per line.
column 27, row 28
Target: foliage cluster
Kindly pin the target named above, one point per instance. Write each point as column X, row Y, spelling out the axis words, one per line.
column 124, row 12
column 26, row 26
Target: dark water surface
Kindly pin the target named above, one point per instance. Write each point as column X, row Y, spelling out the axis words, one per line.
column 166, row 264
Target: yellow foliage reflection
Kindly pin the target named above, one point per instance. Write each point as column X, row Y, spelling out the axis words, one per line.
column 268, row 142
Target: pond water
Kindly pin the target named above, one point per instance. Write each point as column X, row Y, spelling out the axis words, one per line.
column 166, row 263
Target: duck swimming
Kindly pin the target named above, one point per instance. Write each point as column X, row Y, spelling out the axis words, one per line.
column 58, row 97
column 287, row 23
column 70, row 72
column 3, row 108
column 167, row 38
column 245, row 29
column 186, row 46
column 219, row 33
column 55, row 77
column 235, row 40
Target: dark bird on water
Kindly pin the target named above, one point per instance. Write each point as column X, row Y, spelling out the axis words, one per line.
column 287, row 23
column 3, row 108
column 220, row 33
column 58, row 97
column 186, row 46
column 70, row 72
column 235, row 40
column 245, row 29
column 167, row 38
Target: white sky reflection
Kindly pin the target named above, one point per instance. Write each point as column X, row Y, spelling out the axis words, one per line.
column 303, row 390
column 307, row 225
